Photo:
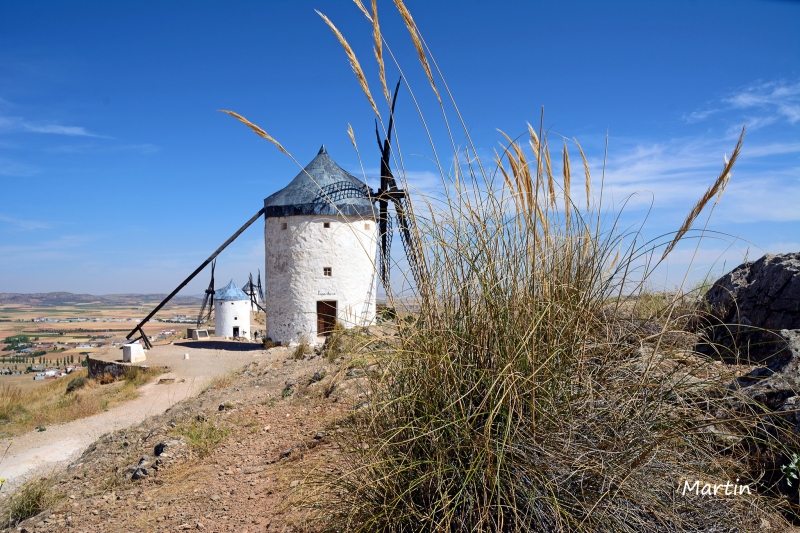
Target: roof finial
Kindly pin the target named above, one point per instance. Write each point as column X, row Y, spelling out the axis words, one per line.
column 322, row 150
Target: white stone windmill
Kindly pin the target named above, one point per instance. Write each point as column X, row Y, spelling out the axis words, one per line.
column 320, row 239
column 323, row 261
column 231, row 312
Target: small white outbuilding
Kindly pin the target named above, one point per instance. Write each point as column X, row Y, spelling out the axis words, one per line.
column 231, row 312
column 320, row 237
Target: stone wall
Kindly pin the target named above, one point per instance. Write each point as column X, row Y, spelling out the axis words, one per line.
column 98, row 368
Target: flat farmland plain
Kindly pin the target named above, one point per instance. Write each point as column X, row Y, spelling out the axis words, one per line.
column 68, row 332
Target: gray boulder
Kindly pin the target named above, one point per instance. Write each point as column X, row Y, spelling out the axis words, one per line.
column 741, row 316
column 772, row 385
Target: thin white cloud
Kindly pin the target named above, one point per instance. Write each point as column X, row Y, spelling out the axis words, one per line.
column 779, row 97
column 59, row 130
column 24, row 224
column 771, row 101
column 14, row 169
column 70, row 247
column 145, row 148
column 672, row 175
column 20, row 124
column 699, row 116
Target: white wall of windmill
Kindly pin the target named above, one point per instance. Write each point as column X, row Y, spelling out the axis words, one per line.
column 230, row 314
column 307, row 262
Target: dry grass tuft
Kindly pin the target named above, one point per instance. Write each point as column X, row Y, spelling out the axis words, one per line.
column 221, row 382
column 202, row 436
column 31, row 499
column 300, row 350
column 529, row 394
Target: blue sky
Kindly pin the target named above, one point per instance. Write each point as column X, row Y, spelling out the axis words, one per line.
column 117, row 173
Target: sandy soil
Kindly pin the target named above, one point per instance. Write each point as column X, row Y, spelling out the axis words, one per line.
column 37, row 453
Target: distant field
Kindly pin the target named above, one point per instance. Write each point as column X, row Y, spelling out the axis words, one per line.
column 25, row 382
column 21, row 317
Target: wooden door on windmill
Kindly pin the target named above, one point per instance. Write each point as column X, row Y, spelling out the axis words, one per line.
column 326, row 316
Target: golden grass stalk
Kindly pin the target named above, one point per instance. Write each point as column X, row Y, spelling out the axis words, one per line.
column 567, row 180
column 522, row 173
column 412, row 29
column 376, row 33
column 586, row 174
column 535, row 148
column 260, row 132
column 354, row 64
column 551, row 184
column 716, row 188
column 352, row 136
column 363, row 9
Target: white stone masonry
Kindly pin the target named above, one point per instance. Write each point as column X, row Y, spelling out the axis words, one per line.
column 311, row 258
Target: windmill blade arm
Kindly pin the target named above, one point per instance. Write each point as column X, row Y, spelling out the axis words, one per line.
column 408, row 237
column 391, row 113
column 202, row 311
column 196, row 272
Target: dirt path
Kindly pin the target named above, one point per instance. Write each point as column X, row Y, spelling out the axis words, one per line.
column 280, row 418
column 37, row 453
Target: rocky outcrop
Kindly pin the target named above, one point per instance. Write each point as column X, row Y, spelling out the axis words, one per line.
column 752, row 315
column 772, row 385
column 743, row 315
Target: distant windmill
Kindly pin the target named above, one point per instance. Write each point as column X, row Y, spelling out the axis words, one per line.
column 208, row 300
column 255, row 292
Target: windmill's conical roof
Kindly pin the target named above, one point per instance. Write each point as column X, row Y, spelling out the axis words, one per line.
column 230, row 292
column 322, row 188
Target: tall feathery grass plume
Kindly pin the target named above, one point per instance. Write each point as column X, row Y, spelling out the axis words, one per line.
column 260, row 132
column 587, row 175
column 354, row 64
column 414, row 32
column 376, row 34
column 567, row 175
column 715, row 189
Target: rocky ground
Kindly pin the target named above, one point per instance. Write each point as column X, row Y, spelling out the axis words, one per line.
column 274, row 425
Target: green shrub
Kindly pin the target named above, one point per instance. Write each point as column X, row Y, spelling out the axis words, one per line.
column 76, row 383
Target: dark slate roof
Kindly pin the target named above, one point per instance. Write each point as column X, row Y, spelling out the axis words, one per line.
column 322, row 188
column 230, row 292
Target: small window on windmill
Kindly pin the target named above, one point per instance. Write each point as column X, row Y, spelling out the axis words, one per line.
column 326, row 271
column 366, row 226
column 284, row 225
column 326, row 224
